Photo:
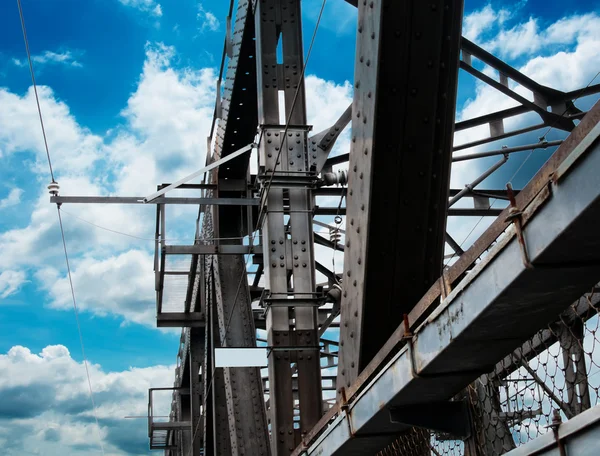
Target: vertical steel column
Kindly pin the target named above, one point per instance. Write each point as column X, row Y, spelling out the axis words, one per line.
column 243, row 385
column 286, row 254
column 196, row 355
column 220, row 439
column 184, row 438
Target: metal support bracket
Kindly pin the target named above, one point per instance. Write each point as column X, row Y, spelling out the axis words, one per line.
column 514, row 216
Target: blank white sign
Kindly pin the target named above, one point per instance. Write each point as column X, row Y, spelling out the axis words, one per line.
column 241, row 357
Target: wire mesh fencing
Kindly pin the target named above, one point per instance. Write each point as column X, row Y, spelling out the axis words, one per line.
column 551, row 378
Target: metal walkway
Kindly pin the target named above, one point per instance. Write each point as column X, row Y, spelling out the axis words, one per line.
column 541, row 263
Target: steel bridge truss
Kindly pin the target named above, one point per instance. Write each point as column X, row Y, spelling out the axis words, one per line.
column 395, row 183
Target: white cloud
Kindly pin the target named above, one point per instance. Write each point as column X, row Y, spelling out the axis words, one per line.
column 531, row 38
column 480, row 21
column 119, row 285
column 49, row 57
column 72, row 147
column 10, row 282
column 146, row 6
column 12, row 199
column 51, row 413
column 208, row 20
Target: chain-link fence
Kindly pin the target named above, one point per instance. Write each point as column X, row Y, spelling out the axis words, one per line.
column 552, row 376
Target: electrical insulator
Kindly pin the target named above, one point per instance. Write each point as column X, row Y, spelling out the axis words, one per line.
column 339, row 178
column 53, row 188
column 334, row 235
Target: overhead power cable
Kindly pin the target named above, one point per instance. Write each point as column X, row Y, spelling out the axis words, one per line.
column 62, row 231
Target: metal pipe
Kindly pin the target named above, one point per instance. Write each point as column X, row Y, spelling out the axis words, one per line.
column 469, row 187
column 508, row 150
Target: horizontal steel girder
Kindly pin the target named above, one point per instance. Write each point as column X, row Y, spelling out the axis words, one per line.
column 492, row 310
column 160, row 200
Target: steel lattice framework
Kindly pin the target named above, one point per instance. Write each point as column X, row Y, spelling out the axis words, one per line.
column 438, row 343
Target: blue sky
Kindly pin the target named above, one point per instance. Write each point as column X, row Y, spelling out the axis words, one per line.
column 127, row 91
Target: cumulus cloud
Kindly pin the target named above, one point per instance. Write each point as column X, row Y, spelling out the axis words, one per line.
column 66, row 58
column 150, row 7
column 12, row 199
column 73, row 147
column 208, row 21
column 480, row 21
column 497, row 32
column 10, row 282
column 51, row 414
column 102, row 290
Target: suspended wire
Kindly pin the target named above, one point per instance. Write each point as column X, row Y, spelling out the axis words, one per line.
column 37, row 100
column 147, row 239
column 76, row 311
column 543, row 137
column 62, row 231
column 243, row 277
